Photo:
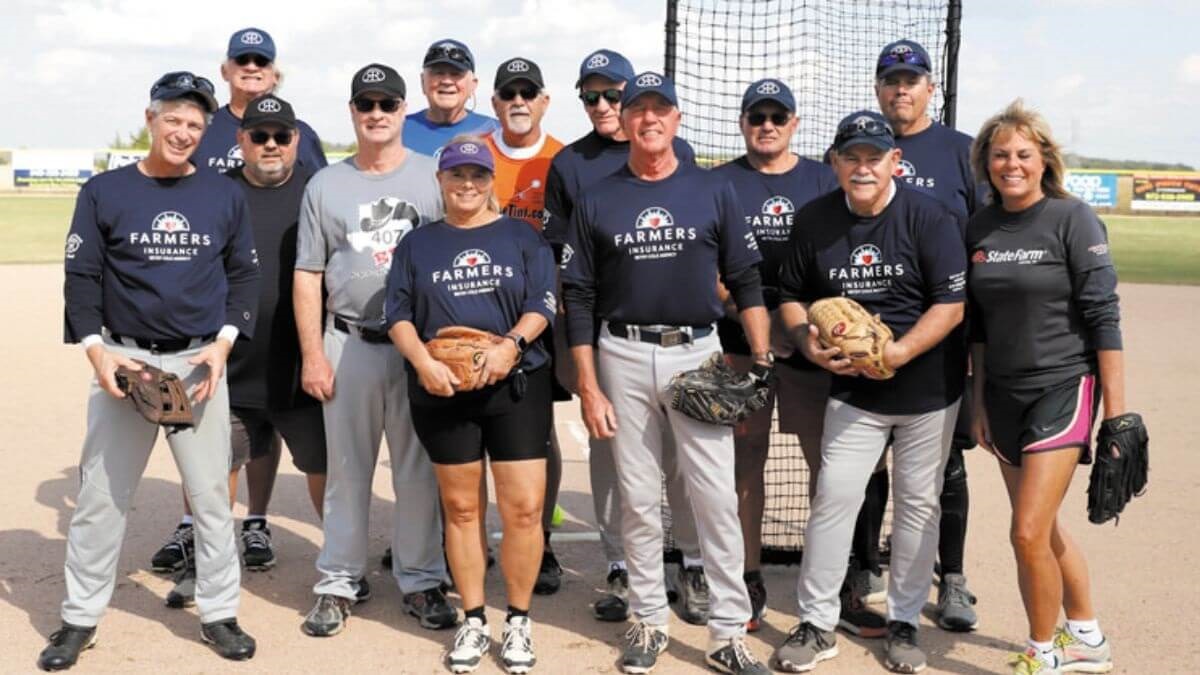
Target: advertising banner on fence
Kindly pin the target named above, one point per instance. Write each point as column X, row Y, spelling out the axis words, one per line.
column 1166, row 193
column 51, row 167
column 120, row 158
column 1097, row 189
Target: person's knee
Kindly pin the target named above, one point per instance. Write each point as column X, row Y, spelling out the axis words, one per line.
column 523, row 511
column 1029, row 537
column 461, row 509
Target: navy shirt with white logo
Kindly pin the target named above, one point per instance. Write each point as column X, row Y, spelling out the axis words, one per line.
column 937, row 161
column 220, row 152
column 160, row 258
column 896, row 264
column 483, row 277
column 649, row 251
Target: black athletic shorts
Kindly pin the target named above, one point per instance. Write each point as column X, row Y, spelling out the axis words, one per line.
column 1025, row 421
column 256, row 432
column 509, row 425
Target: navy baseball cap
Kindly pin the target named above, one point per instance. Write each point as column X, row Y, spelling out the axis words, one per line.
column 769, row 89
column 269, row 109
column 466, row 152
column 378, row 78
column 251, row 41
column 450, row 52
column 183, row 84
column 605, row 63
column 519, row 69
column 649, row 83
column 903, row 55
column 864, row 126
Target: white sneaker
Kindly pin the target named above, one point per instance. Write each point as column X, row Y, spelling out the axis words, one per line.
column 471, row 642
column 517, row 650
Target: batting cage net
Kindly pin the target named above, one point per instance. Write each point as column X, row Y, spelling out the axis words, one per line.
column 825, row 50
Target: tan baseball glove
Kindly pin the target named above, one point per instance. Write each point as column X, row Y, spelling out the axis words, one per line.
column 464, row 351
column 861, row 336
column 158, row 395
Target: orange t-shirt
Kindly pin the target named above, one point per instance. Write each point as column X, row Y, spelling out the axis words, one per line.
column 520, row 183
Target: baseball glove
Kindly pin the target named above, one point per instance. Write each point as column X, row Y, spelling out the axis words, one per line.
column 717, row 394
column 157, row 395
column 1122, row 464
column 861, row 336
column 464, row 351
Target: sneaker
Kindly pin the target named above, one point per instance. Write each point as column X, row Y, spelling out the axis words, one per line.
column 471, row 642
column 431, row 609
column 64, row 646
column 549, row 577
column 955, row 611
column 1029, row 663
column 857, row 619
column 228, row 639
column 174, row 554
column 870, row 586
column 362, row 592
column 645, row 643
column 184, row 592
column 614, row 606
column 734, row 657
column 805, row 647
column 516, row 652
column 1078, row 656
column 256, row 545
column 903, row 654
column 757, row 591
column 693, row 594
column 327, row 617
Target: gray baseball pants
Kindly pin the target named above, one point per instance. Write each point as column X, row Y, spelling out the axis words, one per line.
column 851, row 446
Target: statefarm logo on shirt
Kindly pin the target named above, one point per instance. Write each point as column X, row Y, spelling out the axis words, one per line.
column 907, row 171
column 232, row 160
column 654, row 235
column 472, row 272
column 170, row 239
column 867, row 272
column 1018, row 256
column 774, row 220
column 382, row 223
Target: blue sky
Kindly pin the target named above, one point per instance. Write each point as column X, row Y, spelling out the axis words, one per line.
column 1116, row 79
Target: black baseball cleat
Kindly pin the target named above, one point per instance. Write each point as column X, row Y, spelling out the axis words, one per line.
column 431, row 609
column 614, row 606
column 362, row 592
column 65, row 645
column 549, row 578
column 256, row 545
column 175, row 554
column 228, row 639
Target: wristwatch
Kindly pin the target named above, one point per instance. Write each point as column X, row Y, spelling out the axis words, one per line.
column 519, row 340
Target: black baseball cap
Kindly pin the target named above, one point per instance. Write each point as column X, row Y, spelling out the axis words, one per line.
column 519, row 69
column 903, row 55
column 269, row 109
column 183, row 84
column 379, row 79
column 864, row 126
column 450, row 52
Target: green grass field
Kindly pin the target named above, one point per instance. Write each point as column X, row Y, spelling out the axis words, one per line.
column 1147, row 249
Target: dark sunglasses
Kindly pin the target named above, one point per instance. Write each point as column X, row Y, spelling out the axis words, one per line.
column 455, row 54
column 258, row 59
column 260, row 137
column 863, row 128
column 757, row 119
column 527, row 93
column 910, row 57
column 591, row 98
column 184, row 81
column 366, row 105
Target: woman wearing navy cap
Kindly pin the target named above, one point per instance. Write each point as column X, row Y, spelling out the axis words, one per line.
column 479, row 269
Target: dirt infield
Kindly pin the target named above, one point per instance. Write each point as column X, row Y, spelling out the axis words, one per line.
column 1141, row 569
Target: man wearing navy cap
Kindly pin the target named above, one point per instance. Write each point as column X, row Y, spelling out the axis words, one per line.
column 643, row 253
column 448, row 81
column 899, row 253
column 160, row 270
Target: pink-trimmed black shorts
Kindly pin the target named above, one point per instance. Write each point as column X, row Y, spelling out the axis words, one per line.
column 1025, row 421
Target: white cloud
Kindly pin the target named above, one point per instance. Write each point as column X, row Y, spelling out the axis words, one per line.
column 1189, row 69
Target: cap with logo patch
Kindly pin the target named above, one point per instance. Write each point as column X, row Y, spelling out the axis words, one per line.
column 377, row 78
column 463, row 153
column 183, row 84
column 519, row 69
column 903, row 56
column 251, row 41
column 769, row 89
column 269, row 109
column 607, row 64
column 649, row 83
column 449, row 52
column 864, row 126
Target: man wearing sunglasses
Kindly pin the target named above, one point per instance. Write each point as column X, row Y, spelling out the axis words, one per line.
column 160, row 269
column 448, row 81
column 900, row 254
column 603, row 75
column 772, row 183
column 353, row 215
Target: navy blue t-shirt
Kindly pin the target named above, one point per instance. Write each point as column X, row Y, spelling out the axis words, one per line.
column 219, row 149
column 770, row 202
column 896, row 264
column 581, row 165
column 649, row 252
column 483, row 277
column 160, row 258
column 937, row 161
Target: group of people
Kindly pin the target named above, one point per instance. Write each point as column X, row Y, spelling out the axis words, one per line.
column 295, row 299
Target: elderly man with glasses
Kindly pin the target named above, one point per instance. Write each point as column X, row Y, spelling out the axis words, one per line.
column 448, row 81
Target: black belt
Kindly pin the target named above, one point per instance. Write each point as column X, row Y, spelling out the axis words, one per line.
column 163, row 344
column 376, row 337
column 665, row 336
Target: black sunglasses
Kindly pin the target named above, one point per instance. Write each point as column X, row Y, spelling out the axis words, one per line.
column 455, row 54
column 757, row 119
column 901, row 56
column 258, row 59
column 260, row 137
column 527, row 93
column 591, row 98
column 185, row 80
column 366, row 105
column 857, row 129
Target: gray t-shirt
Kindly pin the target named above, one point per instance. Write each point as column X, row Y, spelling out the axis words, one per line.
column 351, row 221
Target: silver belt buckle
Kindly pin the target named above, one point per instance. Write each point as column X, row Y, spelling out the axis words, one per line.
column 672, row 338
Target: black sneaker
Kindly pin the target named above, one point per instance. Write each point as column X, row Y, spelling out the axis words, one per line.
column 805, row 647
column 327, row 617
column 549, row 577
column 857, row 619
column 174, row 554
column 363, row 592
column 256, row 545
column 65, row 645
column 732, row 656
column 183, row 594
column 693, row 595
column 903, row 654
column 644, row 644
column 757, row 591
column 228, row 639
column 431, row 609
column 614, row 606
